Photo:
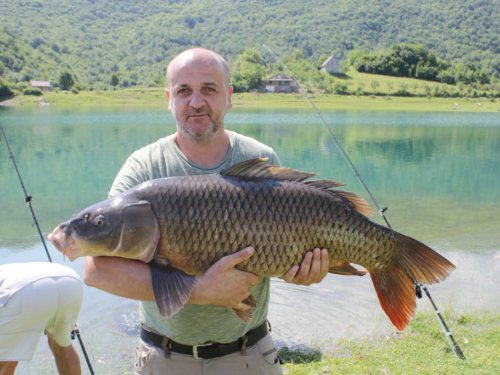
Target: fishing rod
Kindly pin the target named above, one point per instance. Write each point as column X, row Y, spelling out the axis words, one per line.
column 29, row 199
column 334, row 137
column 454, row 346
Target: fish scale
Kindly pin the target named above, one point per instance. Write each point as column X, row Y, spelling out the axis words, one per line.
column 289, row 224
column 183, row 225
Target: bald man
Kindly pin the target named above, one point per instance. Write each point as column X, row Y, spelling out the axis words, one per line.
column 205, row 336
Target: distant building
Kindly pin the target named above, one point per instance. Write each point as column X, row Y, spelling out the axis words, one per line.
column 280, row 83
column 331, row 65
column 42, row 85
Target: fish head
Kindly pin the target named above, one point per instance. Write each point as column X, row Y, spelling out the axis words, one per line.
column 120, row 226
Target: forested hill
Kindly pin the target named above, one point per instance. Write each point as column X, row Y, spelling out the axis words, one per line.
column 135, row 38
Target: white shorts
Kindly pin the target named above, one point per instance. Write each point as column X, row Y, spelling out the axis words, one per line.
column 51, row 304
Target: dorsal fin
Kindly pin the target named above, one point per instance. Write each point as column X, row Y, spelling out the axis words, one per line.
column 258, row 168
column 358, row 203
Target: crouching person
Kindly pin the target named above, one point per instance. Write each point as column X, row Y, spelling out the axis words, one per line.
column 38, row 297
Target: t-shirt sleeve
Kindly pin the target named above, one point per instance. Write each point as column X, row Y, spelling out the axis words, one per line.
column 131, row 174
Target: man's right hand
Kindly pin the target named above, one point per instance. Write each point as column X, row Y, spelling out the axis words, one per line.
column 224, row 285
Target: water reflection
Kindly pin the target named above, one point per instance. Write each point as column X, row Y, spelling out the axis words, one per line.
column 438, row 173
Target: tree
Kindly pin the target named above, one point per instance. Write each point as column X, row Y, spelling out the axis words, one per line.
column 248, row 71
column 66, row 81
column 114, row 80
column 374, row 85
column 4, row 89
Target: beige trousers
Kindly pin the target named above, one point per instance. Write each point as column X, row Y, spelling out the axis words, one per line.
column 261, row 358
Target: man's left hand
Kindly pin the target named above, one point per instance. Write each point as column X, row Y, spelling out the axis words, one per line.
column 313, row 269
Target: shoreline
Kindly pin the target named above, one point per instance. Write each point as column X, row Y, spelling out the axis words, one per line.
column 156, row 97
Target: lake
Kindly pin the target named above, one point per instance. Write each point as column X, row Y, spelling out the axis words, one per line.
column 438, row 174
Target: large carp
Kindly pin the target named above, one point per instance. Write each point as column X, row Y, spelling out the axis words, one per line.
column 185, row 224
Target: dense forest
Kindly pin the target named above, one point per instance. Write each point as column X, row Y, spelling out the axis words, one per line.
column 129, row 42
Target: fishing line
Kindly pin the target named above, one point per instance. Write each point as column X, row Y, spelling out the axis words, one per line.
column 454, row 346
column 28, row 199
column 334, row 137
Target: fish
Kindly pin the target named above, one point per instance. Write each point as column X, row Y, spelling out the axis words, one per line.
column 183, row 225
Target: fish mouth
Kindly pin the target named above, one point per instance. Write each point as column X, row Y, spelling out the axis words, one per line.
column 66, row 245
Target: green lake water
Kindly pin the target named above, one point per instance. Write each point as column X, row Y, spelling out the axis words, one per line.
column 438, row 174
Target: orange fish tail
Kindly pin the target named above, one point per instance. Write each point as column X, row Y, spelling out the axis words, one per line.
column 416, row 263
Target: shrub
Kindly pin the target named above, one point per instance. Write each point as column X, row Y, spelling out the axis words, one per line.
column 5, row 89
column 340, row 88
column 32, row 91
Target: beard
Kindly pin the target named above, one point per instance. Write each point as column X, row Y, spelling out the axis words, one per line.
column 200, row 136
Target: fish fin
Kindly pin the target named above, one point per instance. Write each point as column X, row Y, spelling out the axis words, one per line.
column 247, row 315
column 171, row 287
column 251, row 301
column 416, row 264
column 346, row 269
column 355, row 201
column 324, row 184
column 258, row 168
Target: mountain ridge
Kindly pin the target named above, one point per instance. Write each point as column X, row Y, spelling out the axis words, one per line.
column 136, row 39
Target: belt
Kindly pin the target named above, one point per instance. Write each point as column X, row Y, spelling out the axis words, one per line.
column 208, row 350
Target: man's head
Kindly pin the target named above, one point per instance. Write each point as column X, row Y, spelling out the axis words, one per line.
column 199, row 93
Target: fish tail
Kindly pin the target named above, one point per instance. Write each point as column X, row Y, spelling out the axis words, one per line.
column 416, row 263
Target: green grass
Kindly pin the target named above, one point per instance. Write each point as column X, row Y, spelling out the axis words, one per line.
column 383, row 100
column 421, row 349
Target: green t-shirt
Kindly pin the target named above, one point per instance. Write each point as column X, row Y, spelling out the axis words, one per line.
column 194, row 324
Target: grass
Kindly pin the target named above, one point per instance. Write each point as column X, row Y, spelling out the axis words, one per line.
column 383, row 100
column 421, row 349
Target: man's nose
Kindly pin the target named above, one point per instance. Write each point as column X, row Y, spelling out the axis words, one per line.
column 197, row 100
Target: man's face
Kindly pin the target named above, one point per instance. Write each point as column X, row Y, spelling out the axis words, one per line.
column 198, row 98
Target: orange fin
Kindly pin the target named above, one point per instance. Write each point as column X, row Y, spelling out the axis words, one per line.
column 416, row 263
column 346, row 269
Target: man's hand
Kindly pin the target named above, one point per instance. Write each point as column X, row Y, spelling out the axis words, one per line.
column 313, row 269
column 224, row 285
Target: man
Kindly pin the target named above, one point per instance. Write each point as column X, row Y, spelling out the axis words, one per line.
column 199, row 97
column 37, row 297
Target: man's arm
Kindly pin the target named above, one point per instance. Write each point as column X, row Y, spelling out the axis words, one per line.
column 221, row 285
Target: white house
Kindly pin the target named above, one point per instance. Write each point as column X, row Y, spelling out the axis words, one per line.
column 42, row 85
column 280, row 83
column 331, row 65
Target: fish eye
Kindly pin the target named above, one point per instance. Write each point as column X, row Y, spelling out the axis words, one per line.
column 99, row 221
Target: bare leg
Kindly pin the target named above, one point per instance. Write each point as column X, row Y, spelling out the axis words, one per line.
column 67, row 360
column 8, row 368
